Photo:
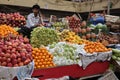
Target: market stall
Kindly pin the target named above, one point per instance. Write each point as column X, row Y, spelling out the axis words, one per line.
column 69, row 47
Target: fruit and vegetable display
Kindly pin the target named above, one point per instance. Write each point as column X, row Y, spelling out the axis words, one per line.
column 59, row 24
column 86, row 32
column 92, row 47
column 15, row 51
column 70, row 36
column 43, row 36
column 114, row 27
column 74, row 24
column 6, row 30
column 107, row 39
column 99, row 28
column 12, row 19
column 42, row 58
column 116, row 54
column 65, row 53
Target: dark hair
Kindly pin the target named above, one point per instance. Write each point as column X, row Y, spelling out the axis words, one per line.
column 36, row 7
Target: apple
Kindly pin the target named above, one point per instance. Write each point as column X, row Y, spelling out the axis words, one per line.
column 0, row 58
column 18, row 55
column 4, row 59
column 21, row 64
column 3, row 64
column 27, row 61
column 16, row 65
column 23, row 58
column 7, row 55
column 13, row 56
column 19, row 60
column 14, row 61
column 9, row 65
column 23, row 54
column 8, row 60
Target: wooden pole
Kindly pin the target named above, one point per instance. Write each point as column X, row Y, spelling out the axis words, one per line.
column 108, row 8
column 90, row 10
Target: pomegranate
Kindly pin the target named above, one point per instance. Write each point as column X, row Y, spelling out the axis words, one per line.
column 83, row 24
column 88, row 36
column 93, row 35
column 83, row 31
column 88, row 29
column 83, row 37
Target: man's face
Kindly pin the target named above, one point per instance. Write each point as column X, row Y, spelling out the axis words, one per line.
column 35, row 10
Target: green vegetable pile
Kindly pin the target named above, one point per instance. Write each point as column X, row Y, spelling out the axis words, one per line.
column 59, row 24
column 101, row 27
column 65, row 53
column 116, row 54
column 43, row 36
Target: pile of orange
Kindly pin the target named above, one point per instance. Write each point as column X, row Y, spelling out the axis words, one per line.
column 91, row 47
column 6, row 30
column 42, row 58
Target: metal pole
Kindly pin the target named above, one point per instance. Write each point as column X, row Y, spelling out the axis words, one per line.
column 108, row 8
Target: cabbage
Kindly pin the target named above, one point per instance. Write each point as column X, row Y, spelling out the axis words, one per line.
column 99, row 26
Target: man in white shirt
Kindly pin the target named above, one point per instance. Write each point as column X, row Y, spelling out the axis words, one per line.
column 33, row 20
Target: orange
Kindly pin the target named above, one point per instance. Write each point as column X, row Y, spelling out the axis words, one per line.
column 37, row 54
column 41, row 60
column 44, row 63
column 46, row 59
column 46, row 66
column 48, row 62
column 47, row 56
column 36, row 63
column 42, row 66
column 43, row 57
column 39, row 57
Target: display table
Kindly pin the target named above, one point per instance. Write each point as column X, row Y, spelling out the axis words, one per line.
column 74, row 71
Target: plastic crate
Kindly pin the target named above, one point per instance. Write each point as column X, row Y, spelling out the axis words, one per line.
column 74, row 71
column 109, row 76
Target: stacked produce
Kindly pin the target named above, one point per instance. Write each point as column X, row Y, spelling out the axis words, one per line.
column 5, row 30
column 12, row 19
column 43, row 36
column 59, row 25
column 107, row 39
column 15, row 51
column 114, row 27
column 70, row 36
column 86, row 32
column 65, row 54
column 99, row 28
column 42, row 58
column 74, row 24
column 116, row 54
column 92, row 47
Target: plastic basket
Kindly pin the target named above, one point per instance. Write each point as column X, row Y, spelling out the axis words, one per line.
column 109, row 76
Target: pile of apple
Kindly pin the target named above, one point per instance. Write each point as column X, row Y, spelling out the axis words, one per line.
column 15, row 51
column 74, row 24
column 12, row 19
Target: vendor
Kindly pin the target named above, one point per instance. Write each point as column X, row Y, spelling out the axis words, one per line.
column 33, row 20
